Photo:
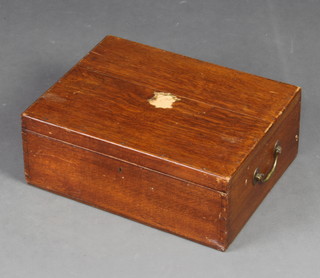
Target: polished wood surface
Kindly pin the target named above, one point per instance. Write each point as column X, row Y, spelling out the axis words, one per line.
column 190, row 78
column 244, row 196
column 207, row 145
column 202, row 139
column 185, row 209
column 193, row 134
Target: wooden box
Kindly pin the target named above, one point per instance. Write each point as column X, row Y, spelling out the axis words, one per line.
column 182, row 145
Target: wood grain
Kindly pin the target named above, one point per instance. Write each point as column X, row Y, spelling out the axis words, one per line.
column 136, row 193
column 186, row 77
column 94, row 137
column 244, row 196
column 117, row 111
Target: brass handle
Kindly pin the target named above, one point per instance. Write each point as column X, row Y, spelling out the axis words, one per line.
column 259, row 177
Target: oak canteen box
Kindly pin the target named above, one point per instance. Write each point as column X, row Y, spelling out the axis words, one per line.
column 179, row 144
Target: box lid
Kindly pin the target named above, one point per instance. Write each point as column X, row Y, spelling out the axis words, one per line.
column 182, row 117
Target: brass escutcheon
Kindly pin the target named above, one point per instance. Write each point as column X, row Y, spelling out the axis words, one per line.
column 259, row 177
